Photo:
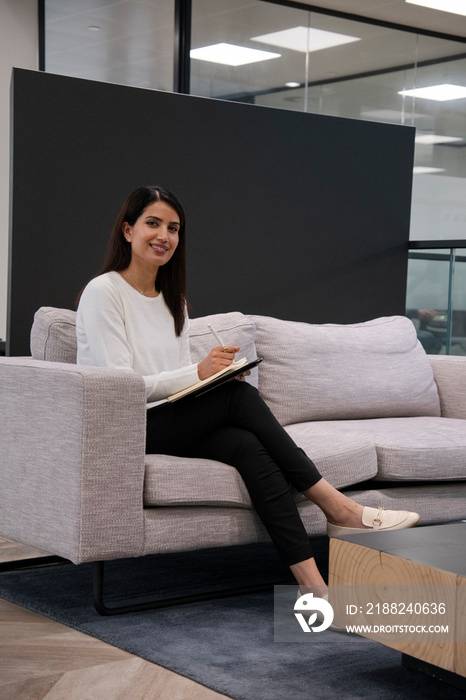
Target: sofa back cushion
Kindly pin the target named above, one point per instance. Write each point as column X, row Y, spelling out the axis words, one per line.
column 53, row 335
column 234, row 328
column 375, row 369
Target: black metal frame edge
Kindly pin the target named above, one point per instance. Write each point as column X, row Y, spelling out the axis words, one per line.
column 182, row 47
column 419, row 245
column 33, row 562
column 442, row 257
column 41, row 22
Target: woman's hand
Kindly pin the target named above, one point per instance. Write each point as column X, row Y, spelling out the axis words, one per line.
column 217, row 359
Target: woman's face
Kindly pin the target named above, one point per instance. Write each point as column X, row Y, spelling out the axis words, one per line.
column 155, row 235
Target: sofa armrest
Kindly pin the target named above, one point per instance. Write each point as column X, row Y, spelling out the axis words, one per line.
column 72, row 446
column 450, row 376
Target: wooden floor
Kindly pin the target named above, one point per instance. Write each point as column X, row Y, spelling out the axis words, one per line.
column 44, row 660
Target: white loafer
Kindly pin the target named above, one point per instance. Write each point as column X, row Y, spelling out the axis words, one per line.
column 377, row 520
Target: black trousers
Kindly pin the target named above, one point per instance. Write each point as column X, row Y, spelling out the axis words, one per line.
column 232, row 424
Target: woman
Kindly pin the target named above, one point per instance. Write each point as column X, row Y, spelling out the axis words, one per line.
column 133, row 316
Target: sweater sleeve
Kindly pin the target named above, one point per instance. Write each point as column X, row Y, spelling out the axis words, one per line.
column 103, row 342
column 159, row 386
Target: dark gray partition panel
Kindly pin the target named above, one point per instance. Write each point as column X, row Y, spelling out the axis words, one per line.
column 295, row 215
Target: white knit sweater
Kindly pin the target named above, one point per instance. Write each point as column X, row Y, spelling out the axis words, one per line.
column 119, row 328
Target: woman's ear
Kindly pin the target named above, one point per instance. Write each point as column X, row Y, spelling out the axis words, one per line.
column 126, row 228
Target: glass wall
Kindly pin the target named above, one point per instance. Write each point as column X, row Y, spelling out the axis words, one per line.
column 129, row 42
column 236, row 23
column 301, row 60
column 436, row 299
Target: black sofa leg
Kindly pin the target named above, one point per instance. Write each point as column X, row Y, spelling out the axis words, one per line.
column 103, row 609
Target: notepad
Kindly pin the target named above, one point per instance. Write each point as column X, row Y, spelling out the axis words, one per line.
column 204, row 385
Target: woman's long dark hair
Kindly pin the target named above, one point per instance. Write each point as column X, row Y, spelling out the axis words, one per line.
column 171, row 278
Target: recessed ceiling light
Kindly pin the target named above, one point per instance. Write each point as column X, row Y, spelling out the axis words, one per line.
column 432, row 139
column 305, row 39
column 231, row 55
column 424, row 170
column 458, row 7
column 440, row 93
column 292, row 84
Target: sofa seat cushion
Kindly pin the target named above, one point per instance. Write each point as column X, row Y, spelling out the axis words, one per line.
column 375, row 369
column 412, row 449
column 179, row 481
column 343, row 458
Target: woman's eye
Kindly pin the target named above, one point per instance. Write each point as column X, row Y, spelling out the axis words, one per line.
column 174, row 229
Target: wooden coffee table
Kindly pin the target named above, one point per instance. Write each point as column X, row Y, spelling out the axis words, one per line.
column 398, row 572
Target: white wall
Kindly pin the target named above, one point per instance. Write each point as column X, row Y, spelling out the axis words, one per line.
column 19, row 48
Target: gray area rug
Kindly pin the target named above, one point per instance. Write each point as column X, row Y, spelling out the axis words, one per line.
column 225, row 644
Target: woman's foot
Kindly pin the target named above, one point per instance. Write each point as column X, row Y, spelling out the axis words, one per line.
column 374, row 520
column 309, row 578
column 345, row 517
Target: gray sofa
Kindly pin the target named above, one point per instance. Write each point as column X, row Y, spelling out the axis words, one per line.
column 382, row 420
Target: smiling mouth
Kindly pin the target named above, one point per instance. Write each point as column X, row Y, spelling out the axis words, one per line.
column 158, row 248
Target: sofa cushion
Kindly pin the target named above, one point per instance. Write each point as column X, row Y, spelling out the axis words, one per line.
column 181, row 529
column 234, row 328
column 344, row 460
column 53, row 335
column 411, row 449
column 178, row 481
column 418, row 448
column 373, row 369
